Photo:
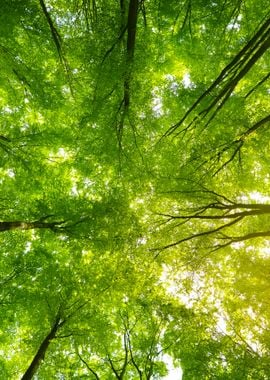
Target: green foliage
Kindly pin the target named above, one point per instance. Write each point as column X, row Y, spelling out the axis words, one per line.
column 140, row 227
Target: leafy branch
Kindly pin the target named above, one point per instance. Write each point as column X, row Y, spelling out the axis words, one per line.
column 226, row 82
column 227, row 214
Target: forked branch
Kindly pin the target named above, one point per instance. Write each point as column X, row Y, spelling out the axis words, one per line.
column 222, row 214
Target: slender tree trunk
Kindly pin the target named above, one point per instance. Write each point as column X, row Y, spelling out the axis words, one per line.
column 132, row 26
column 131, row 29
column 36, row 362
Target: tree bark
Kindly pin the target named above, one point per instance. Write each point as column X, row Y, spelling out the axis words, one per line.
column 132, row 24
column 131, row 31
column 39, row 357
column 20, row 225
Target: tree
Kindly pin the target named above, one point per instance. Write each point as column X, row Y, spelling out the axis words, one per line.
column 134, row 182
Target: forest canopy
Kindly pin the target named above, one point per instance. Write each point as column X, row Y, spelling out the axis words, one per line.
column 135, row 238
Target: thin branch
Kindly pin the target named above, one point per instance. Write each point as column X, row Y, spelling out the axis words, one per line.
column 132, row 358
column 142, row 9
column 264, row 79
column 118, row 40
column 200, row 234
column 57, row 41
column 113, row 368
column 88, row 367
column 255, row 127
column 238, row 239
column 239, row 143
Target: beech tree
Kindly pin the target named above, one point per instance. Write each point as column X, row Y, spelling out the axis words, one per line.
column 134, row 178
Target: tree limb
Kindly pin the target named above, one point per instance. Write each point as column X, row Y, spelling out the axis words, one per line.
column 88, row 367
column 228, row 78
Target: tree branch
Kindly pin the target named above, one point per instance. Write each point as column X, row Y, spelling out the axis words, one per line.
column 200, row 234
column 264, row 79
column 113, row 368
column 229, row 76
column 88, row 367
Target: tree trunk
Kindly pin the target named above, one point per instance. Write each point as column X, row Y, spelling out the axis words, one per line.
column 20, row 225
column 36, row 362
column 132, row 24
column 131, row 29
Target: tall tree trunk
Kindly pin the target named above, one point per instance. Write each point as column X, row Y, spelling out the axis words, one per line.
column 36, row 362
column 132, row 26
column 20, row 225
column 131, row 31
